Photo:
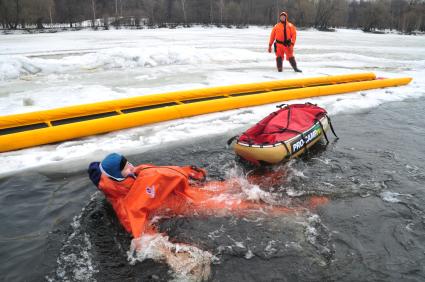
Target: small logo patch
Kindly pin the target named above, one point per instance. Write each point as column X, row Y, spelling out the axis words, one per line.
column 151, row 191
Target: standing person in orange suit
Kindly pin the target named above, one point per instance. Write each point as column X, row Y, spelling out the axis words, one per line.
column 138, row 193
column 284, row 36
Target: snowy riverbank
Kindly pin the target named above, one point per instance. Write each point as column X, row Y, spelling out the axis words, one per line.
column 43, row 71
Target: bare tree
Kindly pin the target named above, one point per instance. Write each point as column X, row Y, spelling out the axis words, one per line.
column 221, row 7
column 10, row 12
column 183, row 2
column 18, row 12
column 169, row 10
column 149, row 6
column 411, row 20
column 324, row 13
column 233, row 13
column 276, row 8
column 51, row 5
column 374, row 15
column 211, row 12
column 93, row 6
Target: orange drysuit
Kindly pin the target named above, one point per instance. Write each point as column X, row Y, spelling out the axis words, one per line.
column 171, row 190
column 152, row 187
column 284, row 35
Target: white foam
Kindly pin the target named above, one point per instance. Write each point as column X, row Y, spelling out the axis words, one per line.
column 75, row 261
column 295, row 193
column 310, row 228
column 252, row 192
column 390, row 197
column 249, row 254
column 188, row 263
column 393, row 197
column 270, row 249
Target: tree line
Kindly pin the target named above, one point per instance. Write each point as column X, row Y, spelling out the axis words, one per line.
column 406, row 16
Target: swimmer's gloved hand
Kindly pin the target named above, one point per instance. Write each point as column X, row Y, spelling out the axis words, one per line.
column 197, row 173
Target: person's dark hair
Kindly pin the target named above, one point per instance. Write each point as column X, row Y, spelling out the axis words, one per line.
column 123, row 162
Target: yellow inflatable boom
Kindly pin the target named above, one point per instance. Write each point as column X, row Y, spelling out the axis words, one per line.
column 172, row 98
column 32, row 129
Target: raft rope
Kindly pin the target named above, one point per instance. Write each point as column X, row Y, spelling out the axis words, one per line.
column 332, row 128
column 229, row 142
column 323, row 130
column 288, row 153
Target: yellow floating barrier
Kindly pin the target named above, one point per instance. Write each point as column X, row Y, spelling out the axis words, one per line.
column 32, row 129
column 101, row 109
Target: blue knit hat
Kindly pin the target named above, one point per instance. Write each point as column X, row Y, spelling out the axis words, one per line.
column 112, row 165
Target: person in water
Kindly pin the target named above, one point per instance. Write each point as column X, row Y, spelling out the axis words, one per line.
column 137, row 193
column 284, row 36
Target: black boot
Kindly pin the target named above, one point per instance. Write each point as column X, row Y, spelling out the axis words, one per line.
column 294, row 64
column 279, row 64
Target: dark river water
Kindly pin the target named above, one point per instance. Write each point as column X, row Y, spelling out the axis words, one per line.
column 55, row 226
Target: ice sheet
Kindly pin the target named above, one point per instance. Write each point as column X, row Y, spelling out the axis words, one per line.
column 45, row 71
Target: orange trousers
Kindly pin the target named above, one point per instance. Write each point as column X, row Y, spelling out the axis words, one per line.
column 284, row 52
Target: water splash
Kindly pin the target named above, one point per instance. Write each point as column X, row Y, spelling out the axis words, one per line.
column 393, row 197
column 188, row 263
column 75, row 262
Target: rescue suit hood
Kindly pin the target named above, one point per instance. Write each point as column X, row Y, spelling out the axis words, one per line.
column 112, row 166
column 283, row 13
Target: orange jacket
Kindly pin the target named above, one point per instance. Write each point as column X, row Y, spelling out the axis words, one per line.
column 154, row 186
column 278, row 33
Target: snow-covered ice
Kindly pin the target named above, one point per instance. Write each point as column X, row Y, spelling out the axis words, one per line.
column 44, row 71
